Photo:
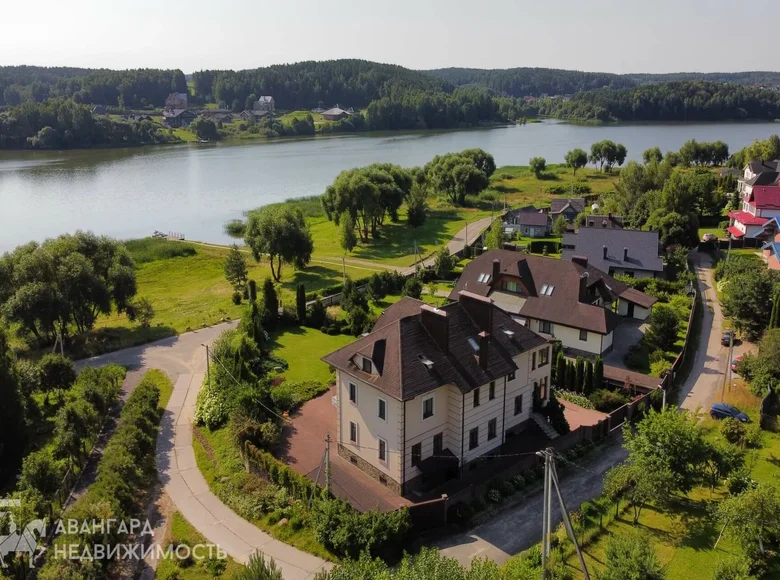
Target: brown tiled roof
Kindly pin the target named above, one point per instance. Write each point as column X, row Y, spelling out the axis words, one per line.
column 558, row 205
column 405, row 340
column 637, row 297
column 564, row 306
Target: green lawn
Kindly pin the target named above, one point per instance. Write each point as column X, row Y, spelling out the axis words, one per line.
column 302, row 348
column 292, row 115
column 182, row 531
column 220, row 463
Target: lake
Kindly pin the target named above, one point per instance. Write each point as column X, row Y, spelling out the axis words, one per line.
column 195, row 189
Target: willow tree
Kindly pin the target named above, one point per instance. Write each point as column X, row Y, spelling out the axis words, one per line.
column 282, row 234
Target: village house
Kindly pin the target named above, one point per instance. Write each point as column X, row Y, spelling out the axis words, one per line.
column 567, row 300
column 176, row 101
column 603, row 221
column 759, row 205
column 223, row 115
column 758, row 173
column 335, row 114
column 634, row 253
column 528, row 221
column 178, row 117
column 253, row 115
column 771, row 249
column 430, row 390
column 569, row 208
column 264, row 103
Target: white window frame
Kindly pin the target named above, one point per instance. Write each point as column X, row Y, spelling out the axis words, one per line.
column 585, row 334
column 349, row 394
column 548, row 324
column 350, row 432
column 473, row 430
column 493, row 421
column 386, row 460
column 491, row 390
column 433, row 407
column 379, row 401
column 370, row 365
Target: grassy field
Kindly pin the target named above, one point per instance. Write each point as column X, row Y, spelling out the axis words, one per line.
column 684, row 536
column 182, row 531
column 218, row 458
column 292, row 115
column 190, row 292
column 302, row 348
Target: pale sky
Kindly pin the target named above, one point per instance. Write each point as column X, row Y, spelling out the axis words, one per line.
column 595, row 35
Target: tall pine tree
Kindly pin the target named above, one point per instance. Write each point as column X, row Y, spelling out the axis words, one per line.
column 13, row 428
column 300, row 303
column 560, row 371
column 598, row 375
column 579, row 371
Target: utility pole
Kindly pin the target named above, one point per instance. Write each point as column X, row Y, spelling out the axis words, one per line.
column 550, row 482
column 327, row 463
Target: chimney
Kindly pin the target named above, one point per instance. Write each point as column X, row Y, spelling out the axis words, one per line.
column 437, row 324
column 479, row 308
column 604, row 252
column 496, row 269
column 484, row 342
column 581, row 260
column 625, row 254
column 584, row 286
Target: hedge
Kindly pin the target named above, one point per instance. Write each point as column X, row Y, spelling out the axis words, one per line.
column 270, row 468
column 537, row 247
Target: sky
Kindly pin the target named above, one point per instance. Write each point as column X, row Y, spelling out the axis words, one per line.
column 618, row 36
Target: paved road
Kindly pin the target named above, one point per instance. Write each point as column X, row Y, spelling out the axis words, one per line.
column 705, row 383
column 517, row 529
column 183, row 358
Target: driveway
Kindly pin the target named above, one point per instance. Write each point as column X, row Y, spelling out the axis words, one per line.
column 627, row 334
column 517, row 529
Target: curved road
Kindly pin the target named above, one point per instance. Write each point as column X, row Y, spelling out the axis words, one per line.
column 183, row 358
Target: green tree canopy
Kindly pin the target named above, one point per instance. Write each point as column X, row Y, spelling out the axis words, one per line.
column 457, row 175
column 280, row 232
column 576, row 159
column 236, row 270
column 537, row 165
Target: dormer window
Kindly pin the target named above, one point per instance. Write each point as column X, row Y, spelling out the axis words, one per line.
column 473, row 344
column 483, row 278
column 547, row 290
column 366, row 365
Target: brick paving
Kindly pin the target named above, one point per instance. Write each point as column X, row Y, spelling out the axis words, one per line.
column 304, row 443
column 579, row 417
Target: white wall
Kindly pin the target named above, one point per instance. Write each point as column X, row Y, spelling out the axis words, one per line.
column 364, row 414
column 446, row 414
column 639, row 312
column 570, row 337
column 478, row 417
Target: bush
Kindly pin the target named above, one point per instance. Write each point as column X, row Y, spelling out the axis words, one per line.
column 732, row 569
column 659, row 368
column 211, row 408
column 583, row 402
column 413, row 288
column 607, row 401
column 506, row 488
column 494, row 496
column 740, row 482
column 519, row 482
column 733, row 431
column 236, row 298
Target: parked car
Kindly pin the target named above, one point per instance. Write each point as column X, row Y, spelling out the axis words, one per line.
column 726, row 411
column 735, row 362
column 709, row 238
column 727, row 338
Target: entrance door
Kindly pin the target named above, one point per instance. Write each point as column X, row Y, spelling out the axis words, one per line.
column 630, row 313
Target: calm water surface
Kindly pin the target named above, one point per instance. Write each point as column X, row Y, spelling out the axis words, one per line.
column 195, row 189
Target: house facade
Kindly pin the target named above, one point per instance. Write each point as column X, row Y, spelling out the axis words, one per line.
column 758, row 173
column 528, row 221
column 429, row 390
column 176, row 101
column 335, row 114
column 264, row 103
column 178, row 117
column 566, row 300
column 759, row 205
column 569, row 208
column 634, row 253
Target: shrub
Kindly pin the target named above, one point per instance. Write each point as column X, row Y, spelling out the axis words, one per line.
column 659, row 368
column 732, row 569
column 740, row 482
column 494, row 495
column 413, row 288
column 607, row 401
column 753, row 436
column 734, row 431
column 583, row 402
column 506, row 488
column 236, row 298
column 259, row 568
column 211, row 408
column 519, row 482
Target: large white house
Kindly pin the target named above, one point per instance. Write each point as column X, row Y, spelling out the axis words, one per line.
column 431, row 389
column 566, row 300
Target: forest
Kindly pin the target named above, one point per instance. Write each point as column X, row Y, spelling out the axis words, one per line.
column 675, row 101
column 533, row 82
column 138, row 88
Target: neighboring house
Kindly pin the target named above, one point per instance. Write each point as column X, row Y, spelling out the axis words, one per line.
column 634, row 253
column 603, row 221
column 429, row 390
column 178, row 117
column 335, row 114
column 758, row 173
column 771, row 249
column 569, row 208
column 176, row 101
column 759, row 205
column 224, row 115
column 528, row 221
column 253, row 115
column 99, row 110
column 567, row 300
column 264, row 103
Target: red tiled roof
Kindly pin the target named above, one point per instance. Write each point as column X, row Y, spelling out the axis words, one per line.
column 767, row 197
column 734, row 231
column 747, row 219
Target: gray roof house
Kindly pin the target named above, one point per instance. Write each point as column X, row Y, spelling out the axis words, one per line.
column 567, row 207
column 528, row 221
column 603, row 221
column 616, row 251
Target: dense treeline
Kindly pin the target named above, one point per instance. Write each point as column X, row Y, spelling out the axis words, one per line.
column 305, row 85
column 522, row 82
column 135, row 88
column 748, row 78
column 677, row 101
column 64, row 124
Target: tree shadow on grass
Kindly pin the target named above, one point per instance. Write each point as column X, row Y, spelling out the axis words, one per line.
column 107, row 339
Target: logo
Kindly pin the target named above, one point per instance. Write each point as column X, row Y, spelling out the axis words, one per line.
column 18, row 542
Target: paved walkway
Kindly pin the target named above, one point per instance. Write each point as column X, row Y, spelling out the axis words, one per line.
column 186, row 486
column 517, row 529
column 183, row 359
